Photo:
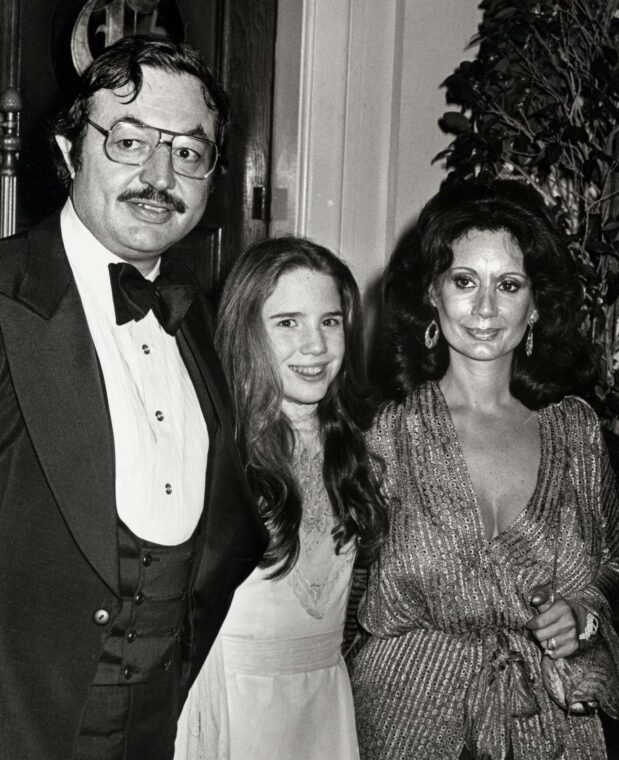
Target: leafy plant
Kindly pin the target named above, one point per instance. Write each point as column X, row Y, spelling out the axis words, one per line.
column 540, row 102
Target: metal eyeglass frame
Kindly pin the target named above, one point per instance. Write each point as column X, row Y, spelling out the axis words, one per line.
column 107, row 132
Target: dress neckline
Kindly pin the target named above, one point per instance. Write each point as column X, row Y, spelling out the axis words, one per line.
column 463, row 467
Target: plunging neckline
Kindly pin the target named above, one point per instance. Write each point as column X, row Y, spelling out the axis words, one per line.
column 464, row 468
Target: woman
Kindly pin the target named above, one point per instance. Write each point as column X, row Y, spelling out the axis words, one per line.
column 275, row 686
column 502, row 548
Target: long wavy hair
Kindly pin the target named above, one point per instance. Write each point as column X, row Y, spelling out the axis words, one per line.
column 265, row 435
column 561, row 362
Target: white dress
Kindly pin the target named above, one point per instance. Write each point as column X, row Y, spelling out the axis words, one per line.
column 275, row 686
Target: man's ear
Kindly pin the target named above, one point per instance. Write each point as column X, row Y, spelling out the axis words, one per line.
column 65, row 146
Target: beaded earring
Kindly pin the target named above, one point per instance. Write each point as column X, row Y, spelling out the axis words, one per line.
column 528, row 346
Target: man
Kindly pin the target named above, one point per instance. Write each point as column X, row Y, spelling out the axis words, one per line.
column 125, row 518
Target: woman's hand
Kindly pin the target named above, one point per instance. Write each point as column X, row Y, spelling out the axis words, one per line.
column 557, row 625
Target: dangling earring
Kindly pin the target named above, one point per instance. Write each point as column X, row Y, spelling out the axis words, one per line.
column 431, row 335
column 528, row 346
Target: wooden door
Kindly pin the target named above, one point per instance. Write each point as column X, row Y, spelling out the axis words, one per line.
column 241, row 36
column 237, row 38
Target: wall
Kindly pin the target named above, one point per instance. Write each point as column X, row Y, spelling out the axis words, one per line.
column 357, row 100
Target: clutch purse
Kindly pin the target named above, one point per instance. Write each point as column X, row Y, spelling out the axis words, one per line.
column 579, row 684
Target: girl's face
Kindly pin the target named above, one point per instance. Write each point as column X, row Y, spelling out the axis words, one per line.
column 484, row 299
column 304, row 324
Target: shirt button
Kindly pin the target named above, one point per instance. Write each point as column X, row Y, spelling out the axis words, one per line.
column 167, row 665
column 132, row 636
column 168, row 488
column 101, row 617
column 159, row 415
column 127, row 673
column 147, row 560
column 146, row 348
column 139, row 598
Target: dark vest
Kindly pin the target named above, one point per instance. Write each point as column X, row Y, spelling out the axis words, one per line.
column 146, row 635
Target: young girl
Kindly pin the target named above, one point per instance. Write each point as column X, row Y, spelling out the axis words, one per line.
column 275, row 685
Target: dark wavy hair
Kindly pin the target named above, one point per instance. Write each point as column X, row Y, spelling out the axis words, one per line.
column 264, row 433
column 119, row 65
column 561, row 362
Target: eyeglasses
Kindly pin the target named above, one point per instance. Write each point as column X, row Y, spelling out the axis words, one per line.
column 129, row 143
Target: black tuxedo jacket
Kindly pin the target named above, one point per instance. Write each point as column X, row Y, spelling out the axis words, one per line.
column 58, row 520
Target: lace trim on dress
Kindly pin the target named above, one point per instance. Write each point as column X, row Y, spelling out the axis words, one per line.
column 318, row 568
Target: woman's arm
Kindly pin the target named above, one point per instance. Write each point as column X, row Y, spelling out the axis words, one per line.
column 573, row 621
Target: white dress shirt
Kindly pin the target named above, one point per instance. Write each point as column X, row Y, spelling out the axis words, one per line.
column 160, row 436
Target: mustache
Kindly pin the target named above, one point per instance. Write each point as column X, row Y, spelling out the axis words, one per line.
column 158, row 196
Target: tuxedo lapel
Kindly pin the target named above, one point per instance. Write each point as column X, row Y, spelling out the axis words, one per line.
column 196, row 334
column 233, row 528
column 57, row 381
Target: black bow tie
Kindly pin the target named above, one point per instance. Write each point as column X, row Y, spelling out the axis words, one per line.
column 169, row 296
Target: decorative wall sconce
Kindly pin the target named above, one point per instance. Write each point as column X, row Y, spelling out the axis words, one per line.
column 101, row 23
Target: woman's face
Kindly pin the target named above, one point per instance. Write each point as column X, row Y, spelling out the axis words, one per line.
column 484, row 299
column 304, row 324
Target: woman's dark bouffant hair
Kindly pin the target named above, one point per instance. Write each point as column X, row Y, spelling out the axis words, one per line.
column 119, row 65
column 561, row 360
column 264, row 433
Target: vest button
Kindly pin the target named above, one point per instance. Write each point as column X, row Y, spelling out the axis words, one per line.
column 132, row 636
column 147, row 560
column 101, row 617
column 127, row 673
column 167, row 665
column 139, row 598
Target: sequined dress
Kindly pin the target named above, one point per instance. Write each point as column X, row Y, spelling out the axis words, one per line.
column 275, row 686
column 447, row 607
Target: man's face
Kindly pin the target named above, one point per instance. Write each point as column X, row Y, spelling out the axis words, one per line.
column 138, row 212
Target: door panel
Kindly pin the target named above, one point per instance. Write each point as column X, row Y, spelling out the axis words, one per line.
column 244, row 42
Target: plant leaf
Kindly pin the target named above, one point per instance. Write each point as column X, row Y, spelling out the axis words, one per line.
column 454, row 121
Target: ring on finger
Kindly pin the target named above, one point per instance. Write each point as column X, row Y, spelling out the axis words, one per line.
column 551, row 644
